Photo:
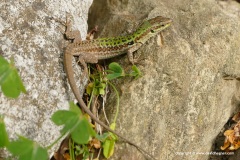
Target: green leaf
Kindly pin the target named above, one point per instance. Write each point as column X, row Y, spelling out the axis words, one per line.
column 112, row 135
column 99, row 88
column 113, row 126
column 115, row 67
column 74, row 108
column 3, row 68
column 136, row 72
column 60, row 117
column 10, row 80
column 115, row 71
column 109, row 143
column 74, row 123
column 26, row 149
column 90, row 88
column 81, row 134
column 78, row 150
column 101, row 91
column 103, row 136
column 82, row 149
column 4, row 141
column 108, row 148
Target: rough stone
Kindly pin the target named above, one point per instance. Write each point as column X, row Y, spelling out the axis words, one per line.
column 181, row 103
column 35, row 41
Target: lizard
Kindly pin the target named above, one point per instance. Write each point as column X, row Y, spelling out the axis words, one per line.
column 91, row 51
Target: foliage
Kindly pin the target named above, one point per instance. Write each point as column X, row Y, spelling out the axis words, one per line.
column 83, row 137
column 116, row 71
column 74, row 123
column 10, row 81
column 4, row 141
column 109, row 143
column 97, row 87
column 26, row 149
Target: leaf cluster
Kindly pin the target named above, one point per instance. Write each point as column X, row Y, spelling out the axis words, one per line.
column 73, row 121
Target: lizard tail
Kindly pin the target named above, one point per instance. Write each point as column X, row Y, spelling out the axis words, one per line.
column 70, row 75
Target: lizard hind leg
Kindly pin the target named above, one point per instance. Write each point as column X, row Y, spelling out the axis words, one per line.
column 133, row 59
column 84, row 59
column 83, row 64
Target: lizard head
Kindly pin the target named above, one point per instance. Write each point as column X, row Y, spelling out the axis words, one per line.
column 150, row 28
column 158, row 24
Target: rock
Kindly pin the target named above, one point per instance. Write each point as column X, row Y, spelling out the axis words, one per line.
column 181, row 103
column 36, row 43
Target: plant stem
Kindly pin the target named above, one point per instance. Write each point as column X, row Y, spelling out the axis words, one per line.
column 117, row 95
column 50, row 146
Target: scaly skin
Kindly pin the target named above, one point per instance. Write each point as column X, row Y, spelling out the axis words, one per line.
column 103, row 48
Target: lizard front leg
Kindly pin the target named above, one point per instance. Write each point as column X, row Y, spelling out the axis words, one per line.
column 131, row 50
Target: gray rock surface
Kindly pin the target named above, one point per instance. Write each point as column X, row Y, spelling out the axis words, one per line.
column 36, row 43
column 179, row 106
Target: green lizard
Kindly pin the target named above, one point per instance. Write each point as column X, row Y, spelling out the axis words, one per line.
column 90, row 51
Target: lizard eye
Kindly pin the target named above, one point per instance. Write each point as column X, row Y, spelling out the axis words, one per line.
column 152, row 31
